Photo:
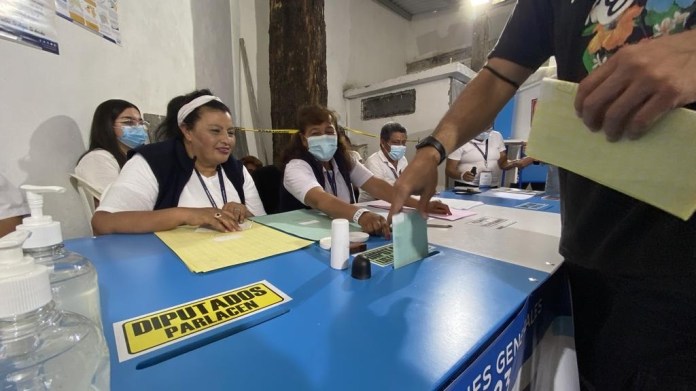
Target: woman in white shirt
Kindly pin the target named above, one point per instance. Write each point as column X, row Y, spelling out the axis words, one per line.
column 320, row 173
column 117, row 127
column 190, row 178
column 487, row 154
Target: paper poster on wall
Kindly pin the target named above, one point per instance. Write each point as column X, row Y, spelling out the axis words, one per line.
column 29, row 22
column 98, row 16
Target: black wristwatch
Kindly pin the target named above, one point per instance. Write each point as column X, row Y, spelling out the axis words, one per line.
column 431, row 141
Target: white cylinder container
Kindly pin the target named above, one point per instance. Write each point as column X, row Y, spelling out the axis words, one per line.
column 340, row 243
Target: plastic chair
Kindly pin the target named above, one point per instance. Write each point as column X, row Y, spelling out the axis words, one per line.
column 268, row 181
column 87, row 194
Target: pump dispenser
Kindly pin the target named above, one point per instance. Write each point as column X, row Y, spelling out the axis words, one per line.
column 41, row 347
column 24, row 286
column 73, row 277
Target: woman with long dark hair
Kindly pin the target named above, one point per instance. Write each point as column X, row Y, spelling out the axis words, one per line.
column 117, row 127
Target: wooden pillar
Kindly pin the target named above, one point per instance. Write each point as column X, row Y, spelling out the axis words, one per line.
column 297, row 63
column 480, row 44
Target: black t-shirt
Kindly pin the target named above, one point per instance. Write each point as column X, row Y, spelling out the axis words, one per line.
column 602, row 228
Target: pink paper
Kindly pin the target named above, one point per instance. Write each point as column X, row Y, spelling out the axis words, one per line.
column 456, row 213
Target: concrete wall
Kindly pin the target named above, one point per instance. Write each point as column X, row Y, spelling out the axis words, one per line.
column 251, row 23
column 445, row 31
column 365, row 43
column 433, row 89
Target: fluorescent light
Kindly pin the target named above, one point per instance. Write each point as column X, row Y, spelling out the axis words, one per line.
column 479, row 2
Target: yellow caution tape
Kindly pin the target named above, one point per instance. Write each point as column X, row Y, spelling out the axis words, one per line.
column 282, row 131
column 292, row 131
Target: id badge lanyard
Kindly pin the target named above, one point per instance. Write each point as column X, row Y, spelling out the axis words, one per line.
column 207, row 192
column 486, row 176
column 484, row 154
column 396, row 175
column 332, row 181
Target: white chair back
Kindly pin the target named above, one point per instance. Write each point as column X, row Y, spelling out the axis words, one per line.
column 87, row 194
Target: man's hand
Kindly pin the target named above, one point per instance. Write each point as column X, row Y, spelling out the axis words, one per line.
column 373, row 223
column 439, row 208
column 468, row 176
column 419, row 178
column 638, row 85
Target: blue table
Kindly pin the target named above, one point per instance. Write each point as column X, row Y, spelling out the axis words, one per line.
column 555, row 205
column 418, row 327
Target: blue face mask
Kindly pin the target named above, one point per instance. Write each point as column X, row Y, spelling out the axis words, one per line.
column 322, row 147
column 133, row 136
column 396, row 152
column 483, row 136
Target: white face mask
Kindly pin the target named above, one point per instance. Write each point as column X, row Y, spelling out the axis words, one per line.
column 323, row 147
column 397, row 152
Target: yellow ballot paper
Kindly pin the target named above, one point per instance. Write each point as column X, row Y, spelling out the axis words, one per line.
column 203, row 250
column 658, row 169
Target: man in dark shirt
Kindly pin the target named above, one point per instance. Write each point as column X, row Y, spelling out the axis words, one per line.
column 632, row 267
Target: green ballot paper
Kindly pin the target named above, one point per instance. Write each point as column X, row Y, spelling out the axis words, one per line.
column 410, row 234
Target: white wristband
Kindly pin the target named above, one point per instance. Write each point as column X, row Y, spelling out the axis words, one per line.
column 358, row 214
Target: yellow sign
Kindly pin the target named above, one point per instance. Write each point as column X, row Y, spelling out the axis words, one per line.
column 144, row 333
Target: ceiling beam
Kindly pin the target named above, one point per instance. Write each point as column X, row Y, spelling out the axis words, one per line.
column 396, row 8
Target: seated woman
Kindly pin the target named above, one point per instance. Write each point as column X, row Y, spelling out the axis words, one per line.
column 252, row 163
column 487, row 154
column 117, row 127
column 190, row 178
column 319, row 173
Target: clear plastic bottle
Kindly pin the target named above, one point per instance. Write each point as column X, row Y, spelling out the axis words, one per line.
column 42, row 348
column 73, row 277
column 73, row 280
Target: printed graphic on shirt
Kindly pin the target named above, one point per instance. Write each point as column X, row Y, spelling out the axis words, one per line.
column 615, row 23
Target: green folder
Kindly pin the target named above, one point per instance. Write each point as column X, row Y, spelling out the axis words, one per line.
column 306, row 223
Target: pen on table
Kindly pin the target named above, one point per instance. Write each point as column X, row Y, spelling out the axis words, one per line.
column 439, row 226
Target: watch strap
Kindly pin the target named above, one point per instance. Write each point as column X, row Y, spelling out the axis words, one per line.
column 433, row 142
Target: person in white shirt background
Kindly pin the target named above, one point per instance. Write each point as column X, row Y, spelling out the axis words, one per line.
column 487, row 153
column 117, row 127
column 387, row 163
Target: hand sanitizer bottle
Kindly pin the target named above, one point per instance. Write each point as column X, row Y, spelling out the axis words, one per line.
column 43, row 348
column 73, row 277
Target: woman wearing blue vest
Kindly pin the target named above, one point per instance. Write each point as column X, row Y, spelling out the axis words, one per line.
column 319, row 173
column 190, row 178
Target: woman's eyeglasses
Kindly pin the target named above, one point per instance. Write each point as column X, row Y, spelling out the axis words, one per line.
column 130, row 121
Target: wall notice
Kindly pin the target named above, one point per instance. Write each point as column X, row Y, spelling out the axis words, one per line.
column 29, row 22
column 97, row 16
